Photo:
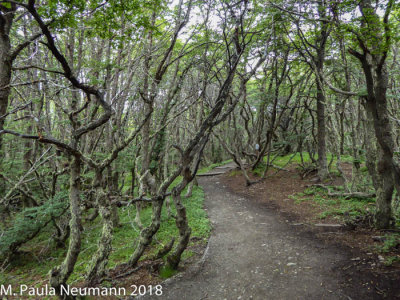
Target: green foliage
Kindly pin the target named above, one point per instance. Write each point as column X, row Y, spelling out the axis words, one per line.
column 107, row 19
column 102, row 19
column 259, row 170
column 28, row 223
column 391, row 241
column 28, row 270
column 390, row 260
column 340, row 208
column 64, row 13
column 281, row 161
column 6, row 5
column 296, row 158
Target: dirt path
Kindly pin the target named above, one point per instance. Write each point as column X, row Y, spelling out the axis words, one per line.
column 254, row 254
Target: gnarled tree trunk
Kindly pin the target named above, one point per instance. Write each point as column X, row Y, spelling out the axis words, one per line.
column 60, row 274
column 97, row 267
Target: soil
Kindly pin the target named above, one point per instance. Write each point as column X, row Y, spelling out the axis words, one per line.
column 265, row 246
column 262, row 248
column 358, row 243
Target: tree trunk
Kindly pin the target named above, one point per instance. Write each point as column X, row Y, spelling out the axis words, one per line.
column 322, row 163
column 59, row 275
column 321, row 101
column 384, row 214
column 371, row 148
column 184, row 231
column 385, row 167
column 5, row 68
column 97, row 268
column 376, row 78
column 146, row 235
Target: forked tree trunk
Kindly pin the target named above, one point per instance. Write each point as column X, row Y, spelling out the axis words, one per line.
column 376, row 77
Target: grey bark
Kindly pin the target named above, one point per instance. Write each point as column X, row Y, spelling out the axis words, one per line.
column 376, row 77
column 59, row 275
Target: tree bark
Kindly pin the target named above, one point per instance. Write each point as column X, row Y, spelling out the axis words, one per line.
column 6, row 19
column 321, row 135
column 373, row 62
column 97, row 267
column 59, row 275
column 184, row 231
column 146, row 235
column 321, row 101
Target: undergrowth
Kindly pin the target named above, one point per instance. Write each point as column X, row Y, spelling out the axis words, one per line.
column 300, row 160
column 340, row 208
column 37, row 257
column 212, row 166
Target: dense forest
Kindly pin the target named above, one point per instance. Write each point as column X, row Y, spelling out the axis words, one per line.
column 108, row 110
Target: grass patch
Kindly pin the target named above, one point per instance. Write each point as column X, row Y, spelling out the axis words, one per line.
column 389, row 248
column 282, row 161
column 167, row 272
column 339, row 208
column 234, row 173
column 390, row 260
column 391, row 241
column 212, row 166
column 299, row 159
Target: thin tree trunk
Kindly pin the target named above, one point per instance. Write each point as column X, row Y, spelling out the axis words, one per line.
column 5, row 68
column 321, row 132
column 59, row 275
column 146, row 235
column 97, row 267
column 184, row 231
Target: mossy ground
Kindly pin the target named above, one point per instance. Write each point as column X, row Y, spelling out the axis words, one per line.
column 39, row 256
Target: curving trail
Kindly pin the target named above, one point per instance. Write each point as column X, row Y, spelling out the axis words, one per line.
column 253, row 254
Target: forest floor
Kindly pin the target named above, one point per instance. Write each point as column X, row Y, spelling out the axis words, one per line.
column 264, row 246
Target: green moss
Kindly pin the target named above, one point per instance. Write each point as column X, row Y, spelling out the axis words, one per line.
column 167, row 272
column 40, row 255
column 340, row 208
column 260, row 169
column 234, row 173
column 281, row 161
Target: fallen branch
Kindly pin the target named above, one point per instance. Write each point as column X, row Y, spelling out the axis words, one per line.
column 278, row 168
column 137, row 199
column 358, row 195
column 210, row 174
column 323, row 186
column 128, row 273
